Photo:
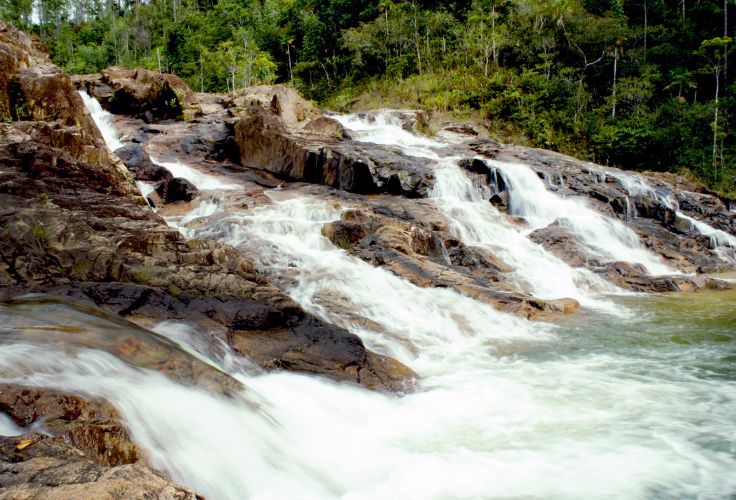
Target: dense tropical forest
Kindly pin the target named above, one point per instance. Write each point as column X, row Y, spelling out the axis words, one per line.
column 644, row 84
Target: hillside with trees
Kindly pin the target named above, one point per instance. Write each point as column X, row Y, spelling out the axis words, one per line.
column 644, row 84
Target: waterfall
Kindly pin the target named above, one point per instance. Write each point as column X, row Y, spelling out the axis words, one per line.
column 722, row 242
column 202, row 181
column 477, row 222
column 103, row 120
column 344, row 290
column 609, row 407
column 606, row 237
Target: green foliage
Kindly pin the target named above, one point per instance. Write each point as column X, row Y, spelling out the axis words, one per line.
column 43, row 198
column 42, row 233
column 80, row 270
column 538, row 71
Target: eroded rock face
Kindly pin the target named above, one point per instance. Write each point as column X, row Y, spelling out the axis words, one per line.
column 37, row 466
column 139, row 92
column 73, row 223
column 39, row 97
column 140, row 165
column 278, row 131
column 430, row 257
column 91, row 426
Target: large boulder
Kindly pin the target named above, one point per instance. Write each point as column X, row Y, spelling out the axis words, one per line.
column 35, row 466
column 278, row 131
column 139, row 163
column 42, row 98
column 149, row 95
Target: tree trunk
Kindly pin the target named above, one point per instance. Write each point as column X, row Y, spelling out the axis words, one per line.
column 646, row 27
column 725, row 46
column 716, row 70
column 615, row 69
column 417, row 43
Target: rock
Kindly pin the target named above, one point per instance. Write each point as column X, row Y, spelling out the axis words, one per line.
column 501, row 201
column 176, row 189
column 650, row 213
column 90, row 425
column 41, row 95
column 73, row 228
column 138, row 92
column 430, row 258
column 139, row 163
column 336, row 354
column 50, row 468
column 411, row 120
column 273, row 132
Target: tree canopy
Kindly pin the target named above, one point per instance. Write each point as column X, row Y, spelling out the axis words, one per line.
column 642, row 84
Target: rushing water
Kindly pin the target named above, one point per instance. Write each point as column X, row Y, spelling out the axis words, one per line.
column 607, row 237
column 477, row 222
column 597, row 405
column 103, row 120
column 636, row 185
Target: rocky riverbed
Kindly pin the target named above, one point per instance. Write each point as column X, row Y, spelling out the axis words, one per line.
column 128, row 237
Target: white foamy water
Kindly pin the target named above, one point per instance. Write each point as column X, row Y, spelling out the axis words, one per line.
column 286, row 239
column 477, row 222
column 8, row 427
column 202, row 181
column 387, row 130
column 723, row 243
column 593, row 427
column 606, row 237
column 103, row 120
column 498, row 413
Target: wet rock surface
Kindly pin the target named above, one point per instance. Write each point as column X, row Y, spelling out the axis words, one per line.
column 139, row 92
column 651, row 212
column 277, row 131
column 37, row 466
column 74, row 224
column 140, row 165
column 431, row 257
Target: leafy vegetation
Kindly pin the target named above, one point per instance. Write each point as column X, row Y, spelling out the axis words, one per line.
column 644, row 84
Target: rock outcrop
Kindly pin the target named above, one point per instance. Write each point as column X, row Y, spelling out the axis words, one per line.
column 139, row 92
column 74, row 224
column 650, row 209
column 83, row 451
column 278, row 131
column 36, row 466
column 429, row 256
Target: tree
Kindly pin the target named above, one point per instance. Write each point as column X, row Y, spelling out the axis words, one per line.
column 712, row 51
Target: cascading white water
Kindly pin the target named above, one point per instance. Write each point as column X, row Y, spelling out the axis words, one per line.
column 8, row 427
column 636, row 185
column 606, row 237
column 202, row 181
column 477, row 222
column 388, row 130
column 554, row 418
column 417, row 331
column 103, row 120
column 603, row 426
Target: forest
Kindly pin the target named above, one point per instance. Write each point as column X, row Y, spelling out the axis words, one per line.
column 640, row 84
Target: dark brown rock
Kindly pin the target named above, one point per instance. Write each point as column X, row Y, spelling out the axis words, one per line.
column 176, row 189
column 36, row 466
column 273, row 132
column 139, row 163
column 138, row 92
